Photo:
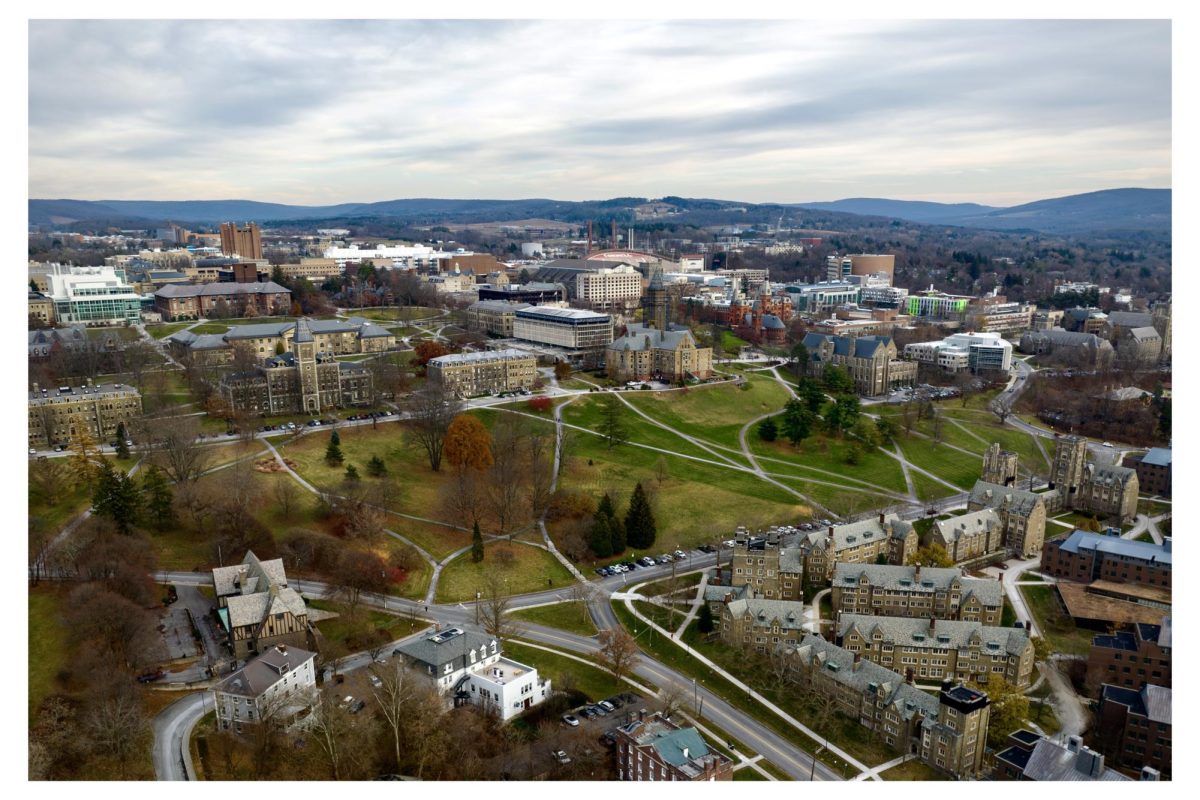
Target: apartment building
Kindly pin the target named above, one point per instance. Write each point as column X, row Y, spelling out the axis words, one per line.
column 618, row 287
column 870, row 361
column 972, row 536
column 1153, row 471
column 947, row 732
column 1085, row 557
column 314, row 270
column 567, row 328
column 885, row 537
column 1129, row 657
column 63, row 414
column 278, row 686
column 763, row 625
column 493, row 317
column 1022, row 515
column 916, row 591
column 996, row 315
column 92, row 296
column 257, row 608
column 187, row 302
column 487, row 372
column 937, row 649
column 976, row 352
column 1134, row 728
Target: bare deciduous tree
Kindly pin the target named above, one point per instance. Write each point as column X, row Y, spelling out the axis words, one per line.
column 618, row 651
column 395, row 695
column 504, row 476
column 287, row 496
column 494, row 607
column 431, row 410
column 117, row 725
column 175, row 447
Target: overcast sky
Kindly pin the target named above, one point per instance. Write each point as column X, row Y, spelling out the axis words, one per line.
column 791, row 111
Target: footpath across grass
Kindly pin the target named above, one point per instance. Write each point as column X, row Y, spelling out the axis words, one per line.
column 566, row 673
column 521, row 569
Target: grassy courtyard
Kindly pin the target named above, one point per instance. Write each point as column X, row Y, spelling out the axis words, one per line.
column 570, row 616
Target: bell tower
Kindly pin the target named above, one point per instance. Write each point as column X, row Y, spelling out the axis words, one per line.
column 304, row 348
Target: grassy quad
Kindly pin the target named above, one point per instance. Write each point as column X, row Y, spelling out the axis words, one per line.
column 1058, row 628
column 913, row 770
column 570, row 616
column 165, row 329
column 522, row 568
column 824, row 458
column 714, row 413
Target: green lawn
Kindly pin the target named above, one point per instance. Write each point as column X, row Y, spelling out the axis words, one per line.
column 1058, row 628
column 820, row 455
column 566, row 673
column 1077, row 519
column 395, row 314
column 68, row 502
column 955, row 466
column 714, row 413
column 523, row 569
column 749, row 774
column 48, row 644
column 570, row 616
column 586, row 413
column 665, row 618
column 913, row 770
column 731, row 344
column 1153, row 507
column 165, row 329
column 675, row 586
column 341, row 629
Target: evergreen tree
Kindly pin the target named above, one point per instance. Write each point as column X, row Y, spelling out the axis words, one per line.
column 617, row 535
column 704, row 620
column 797, row 421
column 116, row 497
column 333, row 453
column 335, row 438
column 768, row 430
column 122, row 448
column 160, row 505
column 612, row 421
column 837, row 380
column 641, row 529
column 476, row 544
column 601, row 539
column 351, row 473
column 810, row 394
column 376, row 468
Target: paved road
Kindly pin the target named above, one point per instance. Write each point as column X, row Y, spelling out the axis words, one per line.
column 172, row 729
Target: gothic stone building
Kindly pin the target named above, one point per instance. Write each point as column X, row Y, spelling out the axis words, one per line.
column 916, row 591
column 871, row 361
column 1022, row 515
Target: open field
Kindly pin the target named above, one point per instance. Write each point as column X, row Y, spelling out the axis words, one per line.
column 566, row 673
column 913, row 770
column 395, row 314
column 824, row 458
column 714, row 413
column 524, row 569
column 69, row 501
column 1058, row 628
column 165, row 329
column 570, row 616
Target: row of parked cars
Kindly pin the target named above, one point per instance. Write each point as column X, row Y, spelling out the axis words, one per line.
column 601, row 709
column 644, row 561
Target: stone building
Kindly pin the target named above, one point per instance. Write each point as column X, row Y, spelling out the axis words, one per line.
column 762, row 624
column 999, row 466
column 493, row 317
column 485, row 372
column 60, row 415
column 1022, row 515
column 1068, row 348
column 257, row 608
column 768, row 569
column 1109, row 490
column 41, row 308
column 916, row 591
column 862, row 542
column 657, row 348
column 871, row 361
column 948, row 732
column 332, row 337
column 1140, row 347
column 192, row 301
column 301, row 381
column 940, row 649
column 970, row 536
column 658, row 749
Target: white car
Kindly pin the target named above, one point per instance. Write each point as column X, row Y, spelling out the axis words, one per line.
column 728, row 543
column 376, row 682
column 1107, row 444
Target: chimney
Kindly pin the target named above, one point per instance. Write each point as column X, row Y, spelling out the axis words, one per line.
column 641, row 715
column 831, row 530
column 917, row 573
column 1029, row 627
column 686, row 754
column 932, row 625
column 1089, row 762
column 880, row 517
column 1150, row 774
column 947, row 684
column 1074, row 743
column 909, row 676
column 857, row 662
column 282, row 648
column 589, row 244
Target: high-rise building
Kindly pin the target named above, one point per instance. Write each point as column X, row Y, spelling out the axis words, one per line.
column 243, row 242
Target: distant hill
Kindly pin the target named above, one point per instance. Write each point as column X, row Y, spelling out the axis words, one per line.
column 1129, row 210
column 912, row 210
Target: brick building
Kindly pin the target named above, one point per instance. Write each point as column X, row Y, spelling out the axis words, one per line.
column 657, row 749
column 1138, row 654
column 193, row 301
column 1153, row 471
column 1085, row 557
column 1134, row 729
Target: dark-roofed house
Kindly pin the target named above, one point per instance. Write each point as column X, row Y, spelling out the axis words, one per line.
column 948, row 732
column 1135, row 727
column 871, row 361
column 1139, row 653
column 939, row 649
column 657, row 749
column 915, row 591
column 278, row 686
column 1035, row 758
column 1022, row 515
column 178, row 301
column 1085, row 557
column 257, row 607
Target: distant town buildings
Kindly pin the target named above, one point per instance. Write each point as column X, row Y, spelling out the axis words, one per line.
column 242, row 242
column 976, row 352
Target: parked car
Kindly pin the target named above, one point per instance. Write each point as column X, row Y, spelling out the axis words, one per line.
column 607, row 706
column 376, row 682
column 571, row 719
column 602, row 571
column 728, row 543
column 1107, row 444
column 357, row 707
column 647, row 561
column 560, row 756
column 615, row 701
column 680, row 554
column 32, row 452
column 665, row 559
column 151, row 675
column 598, row 710
column 587, row 713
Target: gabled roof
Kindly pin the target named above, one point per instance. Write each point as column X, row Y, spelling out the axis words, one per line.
column 442, row 647
column 1053, row 762
column 642, row 337
column 981, row 521
column 928, row 580
column 947, row 634
column 788, row 613
column 215, row 289
column 993, row 495
column 264, row 671
column 1129, row 319
column 1146, row 333
column 853, row 534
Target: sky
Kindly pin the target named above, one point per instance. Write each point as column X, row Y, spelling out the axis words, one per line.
column 321, row 112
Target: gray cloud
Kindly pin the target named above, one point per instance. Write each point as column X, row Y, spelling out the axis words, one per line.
column 317, row 112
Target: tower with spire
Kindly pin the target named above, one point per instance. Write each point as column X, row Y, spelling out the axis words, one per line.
column 304, row 349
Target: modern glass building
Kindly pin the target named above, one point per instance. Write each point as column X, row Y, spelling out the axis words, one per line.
column 93, row 296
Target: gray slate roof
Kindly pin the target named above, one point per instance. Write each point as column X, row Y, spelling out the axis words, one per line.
column 855, row 533
column 426, row 651
column 988, row 591
column 1129, row 319
column 264, row 671
column 946, row 634
column 211, row 289
column 953, row 529
column 643, row 337
column 1144, row 334
column 789, row 613
column 993, row 495
column 1054, row 762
